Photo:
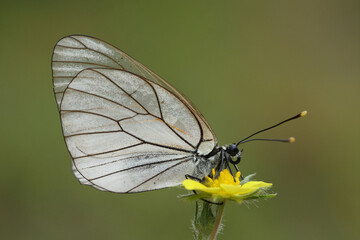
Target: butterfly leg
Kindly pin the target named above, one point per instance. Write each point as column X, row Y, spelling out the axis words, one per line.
column 220, row 166
column 237, row 161
column 228, row 167
column 187, row 176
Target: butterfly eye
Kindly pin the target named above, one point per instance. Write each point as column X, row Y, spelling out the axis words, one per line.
column 232, row 149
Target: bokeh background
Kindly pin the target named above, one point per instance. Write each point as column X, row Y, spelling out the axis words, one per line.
column 245, row 64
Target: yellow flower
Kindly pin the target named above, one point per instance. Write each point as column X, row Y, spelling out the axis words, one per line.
column 227, row 187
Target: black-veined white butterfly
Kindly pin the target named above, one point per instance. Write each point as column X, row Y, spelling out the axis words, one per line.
column 128, row 130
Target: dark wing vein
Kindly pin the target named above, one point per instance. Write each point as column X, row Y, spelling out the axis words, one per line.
column 90, row 133
column 161, row 115
column 114, row 150
column 92, row 113
column 89, row 63
column 159, row 145
column 158, row 174
column 122, row 90
column 127, row 158
column 107, row 99
column 139, row 166
column 98, row 52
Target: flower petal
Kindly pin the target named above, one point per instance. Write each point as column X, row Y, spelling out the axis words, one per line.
column 237, row 190
column 225, row 177
column 195, row 185
column 228, row 187
column 192, row 185
column 257, row 184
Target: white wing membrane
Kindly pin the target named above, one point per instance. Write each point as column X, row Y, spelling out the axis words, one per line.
column 126, row 129
column 90, row 144
column 75, row 123
column 101, row 114
column 97, row 105
column 154, row 130
column 152, row 177
column 174, row 113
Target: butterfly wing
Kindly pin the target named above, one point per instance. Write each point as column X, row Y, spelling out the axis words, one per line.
column 75, row 53
column 126, row 129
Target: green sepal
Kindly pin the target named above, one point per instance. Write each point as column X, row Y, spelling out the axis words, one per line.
column 247, row 179
column 204, row 219
column 193, row 196
column 262, row 196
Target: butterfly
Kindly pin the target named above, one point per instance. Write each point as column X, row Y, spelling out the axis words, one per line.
column 128, row 130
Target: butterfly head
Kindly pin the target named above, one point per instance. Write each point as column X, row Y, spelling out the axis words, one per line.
column 234, row 152
column 232, row 149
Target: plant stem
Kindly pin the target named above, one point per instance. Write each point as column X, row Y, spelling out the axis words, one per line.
column 217, row 221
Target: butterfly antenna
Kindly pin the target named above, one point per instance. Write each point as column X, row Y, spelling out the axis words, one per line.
column 290, row 140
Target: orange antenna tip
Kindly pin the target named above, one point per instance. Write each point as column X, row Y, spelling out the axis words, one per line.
column 291, row 139
column 303, row 113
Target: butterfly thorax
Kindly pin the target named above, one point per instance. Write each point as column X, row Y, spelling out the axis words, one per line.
column 218, row 159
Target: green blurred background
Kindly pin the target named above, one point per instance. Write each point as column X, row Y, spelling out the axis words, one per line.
column 245, row 64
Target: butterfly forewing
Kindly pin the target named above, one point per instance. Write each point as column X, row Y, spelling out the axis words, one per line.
column 126, row 129
column 75, row 53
